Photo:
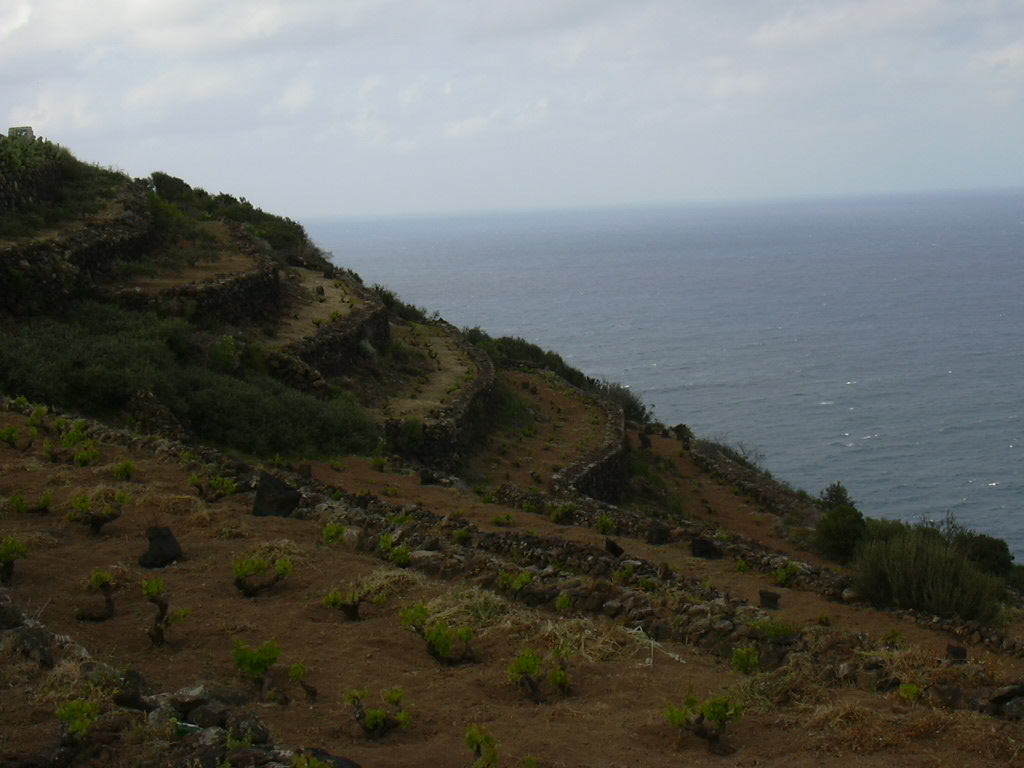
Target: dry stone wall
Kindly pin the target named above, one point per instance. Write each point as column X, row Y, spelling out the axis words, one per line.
column 440, row 441
column 335, row 347
column 40, row 274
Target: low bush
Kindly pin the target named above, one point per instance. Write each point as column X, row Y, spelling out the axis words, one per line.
column 377, row 722
column 838, row 532
column 96, row 357
column 921, row 570
column 255, row 663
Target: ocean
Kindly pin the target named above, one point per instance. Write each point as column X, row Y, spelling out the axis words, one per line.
column 878, row 342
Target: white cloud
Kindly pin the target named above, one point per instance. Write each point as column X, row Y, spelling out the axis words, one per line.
column 13, row 18
column 468, row 127
column 297, row 95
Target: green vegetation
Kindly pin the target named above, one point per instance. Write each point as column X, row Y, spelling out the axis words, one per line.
column 95, row 357
column 692, row 716
column 62, row 186
column 11, row 548
column 377, row 722
column 448, row 645
column 125, row 470
column 921, row 569
column 180, row 199
column 247, row 568
column 333, row 533
column 943, row 567
column 79, row 715
column 484, row 747
column 153, row 589
column 512, row 352
column 746, row 660
column 399, row 308
column 526, row 671
column 255, row 663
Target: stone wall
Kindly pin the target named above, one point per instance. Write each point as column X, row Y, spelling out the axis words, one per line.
column 603, row 473
column 441, row 440
column 42, row 274
column 775, row 497
column 335, row 347
column 250, row 296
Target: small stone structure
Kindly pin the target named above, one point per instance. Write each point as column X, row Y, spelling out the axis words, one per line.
column 21, row 132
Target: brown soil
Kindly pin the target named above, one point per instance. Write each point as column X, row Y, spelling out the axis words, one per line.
column 621, row 683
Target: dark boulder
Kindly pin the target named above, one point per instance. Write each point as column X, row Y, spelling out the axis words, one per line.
column 274, row 498
column 705, row 548
column 613, row 548
column 163, row 550
column 658, row 533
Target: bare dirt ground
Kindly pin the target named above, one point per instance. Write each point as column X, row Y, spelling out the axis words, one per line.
column 622, row 683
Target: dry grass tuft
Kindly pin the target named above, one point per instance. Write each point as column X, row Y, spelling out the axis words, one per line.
column 386, row 582
column 282, row 549
column 861, row 729
column 797, row 683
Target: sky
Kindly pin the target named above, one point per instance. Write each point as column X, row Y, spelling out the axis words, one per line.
column 316, row 108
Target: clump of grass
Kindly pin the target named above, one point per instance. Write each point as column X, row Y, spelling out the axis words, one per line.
column 125, row 470
column 333, row 533
column 746, row 660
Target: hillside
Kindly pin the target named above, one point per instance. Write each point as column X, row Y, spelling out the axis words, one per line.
column 368, row 500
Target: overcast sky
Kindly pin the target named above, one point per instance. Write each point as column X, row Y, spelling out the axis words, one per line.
column 355, row 107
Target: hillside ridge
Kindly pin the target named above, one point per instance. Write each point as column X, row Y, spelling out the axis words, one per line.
column 272, row 412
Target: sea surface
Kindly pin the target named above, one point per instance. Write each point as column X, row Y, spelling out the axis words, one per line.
column 878, row 342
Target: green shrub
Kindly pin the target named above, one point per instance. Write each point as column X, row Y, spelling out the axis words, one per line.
column 377, row 722
column 836, row 495
column 97, row 356
column 746, row 660
column 605, row 525
column 333, row 533
column 720, row 710
column 11, row 548
column 838, row 532
column 125, row 470
column 79, row 715
column 920, row 570
column 246, row 568
column 785, row 576
column 484, row 747
column 526, row 663
column 255, row 663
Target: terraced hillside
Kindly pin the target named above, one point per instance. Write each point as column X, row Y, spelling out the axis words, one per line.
column 365, row 502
